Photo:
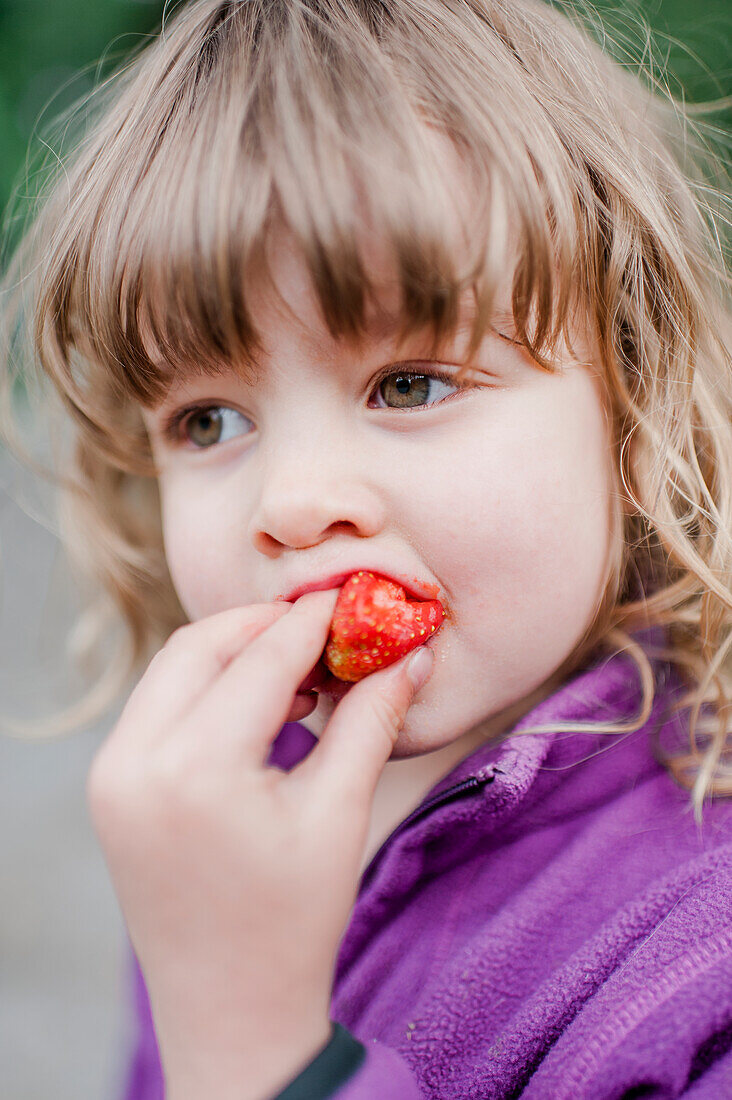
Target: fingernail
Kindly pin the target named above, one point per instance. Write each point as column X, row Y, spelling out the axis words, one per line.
column 420, row 666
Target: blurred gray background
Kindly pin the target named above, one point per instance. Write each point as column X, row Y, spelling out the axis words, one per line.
column 64, row 1030
column 65, row 1021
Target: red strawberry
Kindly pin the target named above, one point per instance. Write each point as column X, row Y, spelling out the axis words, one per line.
column 374, row 624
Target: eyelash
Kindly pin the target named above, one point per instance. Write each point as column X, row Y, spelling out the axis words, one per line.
column 173, row 425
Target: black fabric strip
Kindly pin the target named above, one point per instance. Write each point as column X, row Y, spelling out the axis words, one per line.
column 337, row 1062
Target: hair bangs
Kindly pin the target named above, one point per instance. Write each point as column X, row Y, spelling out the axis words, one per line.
column 324, row 131
column 371, row 159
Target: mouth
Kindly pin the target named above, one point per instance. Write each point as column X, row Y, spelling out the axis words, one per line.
column 414, row 588
column 321, row 680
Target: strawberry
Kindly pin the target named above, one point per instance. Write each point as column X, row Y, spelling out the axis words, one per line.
column 374, row 624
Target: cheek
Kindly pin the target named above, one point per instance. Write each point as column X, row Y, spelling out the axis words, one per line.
column 557, row 515
column 526, row 546
column 199, row 536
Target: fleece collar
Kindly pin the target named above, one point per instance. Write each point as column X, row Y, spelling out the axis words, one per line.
column 524, row 771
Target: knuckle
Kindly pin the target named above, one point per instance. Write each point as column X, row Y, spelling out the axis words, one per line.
column 270, row 650
column 387, row 713
column 180, row 789
column 179, row 639
column 170, row 778
column 119, row 797
column 106, row 786
column 176, row 643
column 275, row 649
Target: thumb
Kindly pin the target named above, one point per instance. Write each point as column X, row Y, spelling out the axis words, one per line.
column 360, row 736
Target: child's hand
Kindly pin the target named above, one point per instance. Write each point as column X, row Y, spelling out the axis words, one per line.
column 236, row 880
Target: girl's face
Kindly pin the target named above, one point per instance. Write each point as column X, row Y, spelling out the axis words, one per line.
column 345, row 457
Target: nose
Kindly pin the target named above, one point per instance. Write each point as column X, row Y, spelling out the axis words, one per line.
column 311, row 490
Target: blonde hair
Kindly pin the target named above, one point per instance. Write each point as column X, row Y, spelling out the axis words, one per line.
column 244, row 116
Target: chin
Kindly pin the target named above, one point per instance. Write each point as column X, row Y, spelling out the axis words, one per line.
column 406, row 745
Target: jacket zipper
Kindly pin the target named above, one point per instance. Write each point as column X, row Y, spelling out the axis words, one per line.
column 472, row 783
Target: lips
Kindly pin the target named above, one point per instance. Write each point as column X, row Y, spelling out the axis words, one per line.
column 413, row 586
column 375, row 623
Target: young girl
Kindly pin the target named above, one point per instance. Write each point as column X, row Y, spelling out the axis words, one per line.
column 432, row 289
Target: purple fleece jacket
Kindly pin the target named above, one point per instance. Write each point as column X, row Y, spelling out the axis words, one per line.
column 549, row 923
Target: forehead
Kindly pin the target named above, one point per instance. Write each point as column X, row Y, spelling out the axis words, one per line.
column 288, row 294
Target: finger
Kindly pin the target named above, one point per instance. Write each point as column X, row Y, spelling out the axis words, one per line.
column 247, row 705
column 360, row 736
column 192, row 658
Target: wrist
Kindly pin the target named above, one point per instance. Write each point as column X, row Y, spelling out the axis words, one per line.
column 250, row 1070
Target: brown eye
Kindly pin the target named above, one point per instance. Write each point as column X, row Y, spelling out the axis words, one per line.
column 217, row 424
column 408, row 391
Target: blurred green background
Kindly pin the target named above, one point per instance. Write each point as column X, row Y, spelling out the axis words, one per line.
column 53, row 53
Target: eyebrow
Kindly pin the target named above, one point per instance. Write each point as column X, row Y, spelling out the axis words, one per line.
column 381, row 327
